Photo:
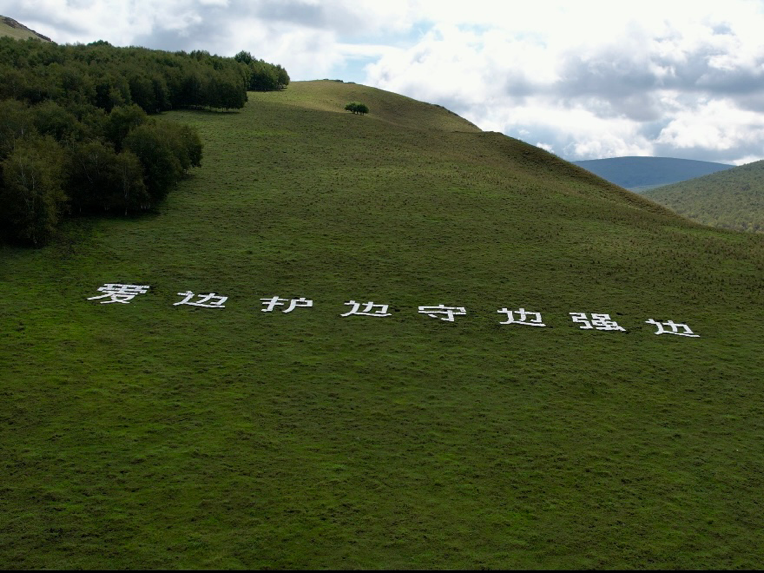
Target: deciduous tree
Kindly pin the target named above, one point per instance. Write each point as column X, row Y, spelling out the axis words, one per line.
column 31, row 196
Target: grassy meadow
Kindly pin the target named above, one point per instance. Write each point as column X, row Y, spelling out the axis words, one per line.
column 148, row 435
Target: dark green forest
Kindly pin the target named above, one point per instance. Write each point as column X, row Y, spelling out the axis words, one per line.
column 730, row 199
column 76, row 132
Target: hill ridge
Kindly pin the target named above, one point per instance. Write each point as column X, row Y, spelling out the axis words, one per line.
column 405, row 112
column 18, row 26
column 729, row 199
column 401, row 110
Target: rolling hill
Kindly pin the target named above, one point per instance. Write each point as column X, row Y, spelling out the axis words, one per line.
column 14, row 29
column 639, row 174
column 358, row 430
column 731, row 199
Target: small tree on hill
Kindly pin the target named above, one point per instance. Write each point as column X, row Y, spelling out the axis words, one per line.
column 357, row 107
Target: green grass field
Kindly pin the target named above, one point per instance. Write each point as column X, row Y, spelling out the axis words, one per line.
column 160, row 436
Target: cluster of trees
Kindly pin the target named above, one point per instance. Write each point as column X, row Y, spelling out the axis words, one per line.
column 357, row 107
column 76, row 135
column 104, row 76
column 54, row 161
column 263, row 77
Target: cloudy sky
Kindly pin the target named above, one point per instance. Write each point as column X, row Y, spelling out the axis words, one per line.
column 583, row 79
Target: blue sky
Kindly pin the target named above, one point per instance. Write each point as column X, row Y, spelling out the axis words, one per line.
column 585, row 79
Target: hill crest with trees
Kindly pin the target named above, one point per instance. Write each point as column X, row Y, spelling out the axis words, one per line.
column 76, row 134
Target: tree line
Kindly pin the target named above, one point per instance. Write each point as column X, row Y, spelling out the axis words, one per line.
column 76, row 134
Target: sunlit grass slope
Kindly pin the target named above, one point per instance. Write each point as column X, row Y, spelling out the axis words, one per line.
column 152, row 435
column 732, row 199
column 12, row 28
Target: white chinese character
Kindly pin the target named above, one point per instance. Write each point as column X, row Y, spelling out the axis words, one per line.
column 271, row 303
column 674, row 328
column 598, row 321
column 120, row 293
column 368, row 309
column 524, row 317
column 449, row 311
column 215, row 301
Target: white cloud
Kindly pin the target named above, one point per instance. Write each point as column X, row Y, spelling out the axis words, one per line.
column 717, row 124
column 595, row 78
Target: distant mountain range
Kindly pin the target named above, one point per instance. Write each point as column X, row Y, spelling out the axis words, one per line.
column 639, row 174
column 732, row 199
column 14, row 29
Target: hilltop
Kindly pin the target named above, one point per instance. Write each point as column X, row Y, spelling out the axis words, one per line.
column 14, row 29
column 731, row 199
column 155, row 434
column 639, row 174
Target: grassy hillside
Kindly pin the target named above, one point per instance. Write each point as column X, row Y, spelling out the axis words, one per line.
column 14, row 29
column 161, row 436
column 640, row 174
column 732, row 199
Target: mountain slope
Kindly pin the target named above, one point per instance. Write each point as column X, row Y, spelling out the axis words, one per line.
column 14, row 29
column 641, row 173
column 731, row 199
column 158, row 435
